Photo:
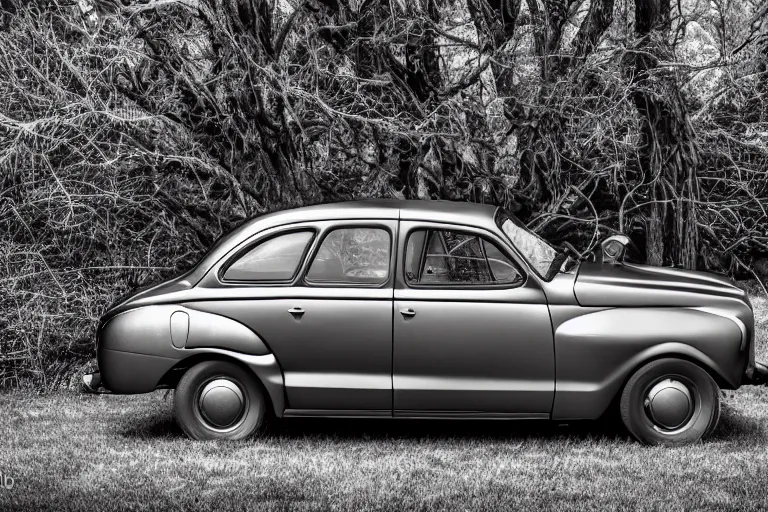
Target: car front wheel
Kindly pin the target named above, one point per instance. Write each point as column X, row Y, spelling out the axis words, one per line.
column 219, row 400
column 670, row 401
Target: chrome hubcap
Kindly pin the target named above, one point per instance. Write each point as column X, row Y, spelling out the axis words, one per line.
column 669, row 404
column 221, row 403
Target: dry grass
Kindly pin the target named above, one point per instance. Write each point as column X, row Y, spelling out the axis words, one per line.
column 70, row 452
column 74, row 452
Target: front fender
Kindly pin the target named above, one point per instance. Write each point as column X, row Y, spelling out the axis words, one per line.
column 596, row 353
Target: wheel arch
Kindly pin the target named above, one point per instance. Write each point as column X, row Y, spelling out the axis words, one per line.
column 698, row 359
column 694, row 356
column 264, row 369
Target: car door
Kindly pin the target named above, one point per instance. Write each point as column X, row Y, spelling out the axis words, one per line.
column 472, row 333
column 330, row 324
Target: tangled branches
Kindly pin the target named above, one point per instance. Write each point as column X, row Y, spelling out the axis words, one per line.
column 133, row 133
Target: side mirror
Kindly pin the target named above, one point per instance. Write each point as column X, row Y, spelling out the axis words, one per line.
column 614, row 248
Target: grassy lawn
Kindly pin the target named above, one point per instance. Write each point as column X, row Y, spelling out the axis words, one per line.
column 73, row 452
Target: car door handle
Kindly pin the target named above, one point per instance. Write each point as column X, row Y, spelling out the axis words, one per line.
column 296, row 311
column 407, row 312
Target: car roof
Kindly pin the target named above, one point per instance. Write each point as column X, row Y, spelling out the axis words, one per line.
column 406, row 209
column 470, row 214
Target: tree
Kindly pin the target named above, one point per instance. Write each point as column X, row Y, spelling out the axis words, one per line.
column 669, row 153
column 134, row 132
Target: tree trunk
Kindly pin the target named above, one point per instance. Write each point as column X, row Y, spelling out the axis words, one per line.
column 669, row 154
column 597, row 21
column 495, row 22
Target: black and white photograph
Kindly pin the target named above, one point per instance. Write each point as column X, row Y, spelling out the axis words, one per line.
column 383, row 255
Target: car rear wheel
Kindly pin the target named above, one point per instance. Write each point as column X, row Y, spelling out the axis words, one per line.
column 219, row 400
column 670, row 401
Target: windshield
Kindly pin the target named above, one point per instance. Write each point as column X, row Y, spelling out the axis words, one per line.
column 539, row 254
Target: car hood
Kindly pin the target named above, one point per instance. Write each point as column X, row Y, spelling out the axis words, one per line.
column 643, row 285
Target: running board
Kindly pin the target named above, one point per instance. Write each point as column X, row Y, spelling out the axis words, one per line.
column 335, row 413
column 420, row 415
column 470, row 415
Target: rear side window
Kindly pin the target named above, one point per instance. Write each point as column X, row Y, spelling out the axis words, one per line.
column 450, row 257
column 275, row 259
column 352, row 256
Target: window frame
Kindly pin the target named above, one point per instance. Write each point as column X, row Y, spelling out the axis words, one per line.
column 238, row 253
column 343, row 284
column 483, row 235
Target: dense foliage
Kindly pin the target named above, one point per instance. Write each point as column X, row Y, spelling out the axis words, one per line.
column 133, row 133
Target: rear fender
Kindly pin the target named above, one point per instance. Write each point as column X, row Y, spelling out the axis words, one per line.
column 165, row 329
column 138, row 347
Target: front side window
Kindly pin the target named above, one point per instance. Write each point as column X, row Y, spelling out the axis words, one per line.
column 352, row 256
column 275, row 259
column 450, row 257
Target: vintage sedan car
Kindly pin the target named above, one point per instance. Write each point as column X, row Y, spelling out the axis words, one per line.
column 428, row 309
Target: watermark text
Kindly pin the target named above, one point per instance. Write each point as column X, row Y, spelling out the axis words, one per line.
column 6, row 482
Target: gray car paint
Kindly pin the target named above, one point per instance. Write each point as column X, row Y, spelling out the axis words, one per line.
column 337, row 355
column 570, row 343
column 471, row 349
column 644, row 285
column 147, row 330
column 606, row 360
